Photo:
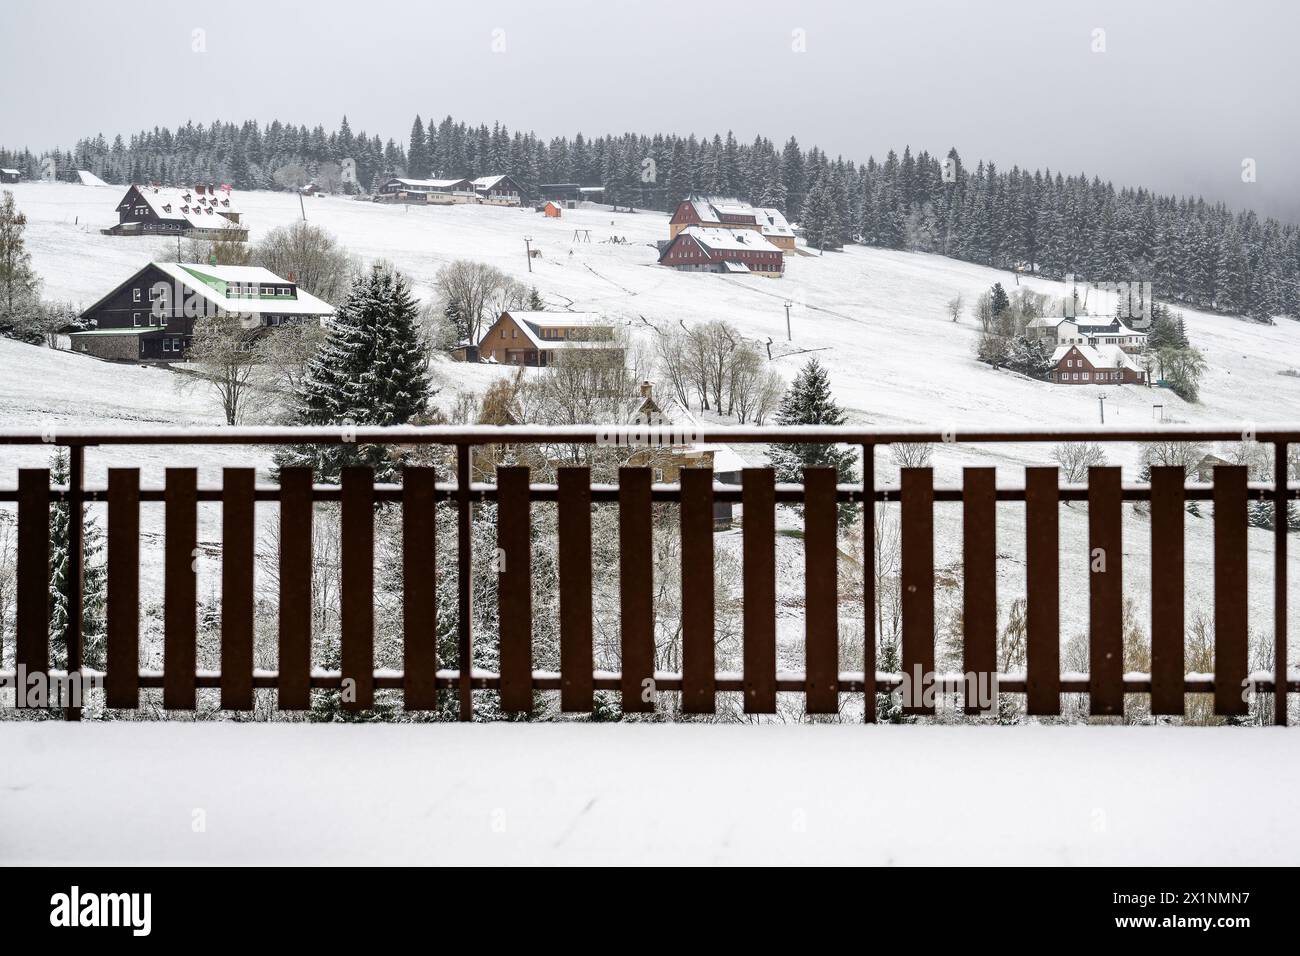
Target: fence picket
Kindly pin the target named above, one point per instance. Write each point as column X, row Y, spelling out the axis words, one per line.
column 576, row 652
column 419, row 589
column 1167, row 634
column 821, row 592
column 356, row 603
column 1042, row 601
column 758, row 539
column 122, row 602
column 515, row 589
column 1230, row 583
column 917, row 508
column 237, row 527
column 698, row 688
column 180, row 562
column 636, row 589
column 980, row 582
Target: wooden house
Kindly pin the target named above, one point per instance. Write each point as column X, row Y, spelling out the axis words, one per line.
column 535, row 338
column 151, row 316
column 1096, row 365
column 440, row 192
column 498, row 191
column 203, row 212
column 734, row 251
column 9, row 176
column 719, row 213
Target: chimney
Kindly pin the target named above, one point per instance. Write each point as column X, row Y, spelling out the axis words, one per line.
column 646, row 388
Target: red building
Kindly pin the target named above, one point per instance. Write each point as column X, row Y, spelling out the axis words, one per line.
column 1096, row 365
column 705, row 249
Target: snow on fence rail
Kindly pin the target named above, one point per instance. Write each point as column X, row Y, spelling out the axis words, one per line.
column 698, row 681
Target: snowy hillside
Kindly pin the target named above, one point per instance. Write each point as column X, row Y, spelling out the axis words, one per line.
column 875, row 318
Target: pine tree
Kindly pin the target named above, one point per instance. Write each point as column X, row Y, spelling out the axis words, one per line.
column 1000, row 301
column 809, row 402
column 369, row 371
column 94, row 577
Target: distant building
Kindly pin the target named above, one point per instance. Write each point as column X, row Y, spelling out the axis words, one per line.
column 1085, row 330
column 551, row 209
column 722, row 213
column 9, row 176
column 203, row 212
column 535, row 338
column 151, row 316
column 710, row 249
column 570, row 194
column 1096, row 365
column 1205, row 467
column 442, row 192
column 498, row 191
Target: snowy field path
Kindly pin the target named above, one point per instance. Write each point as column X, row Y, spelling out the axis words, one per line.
column 673, row 795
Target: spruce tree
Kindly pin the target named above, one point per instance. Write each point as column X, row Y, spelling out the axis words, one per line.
column 369, row 371
column 809, row 402
column 94, row 577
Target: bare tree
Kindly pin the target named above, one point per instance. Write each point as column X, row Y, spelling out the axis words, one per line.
column 1076, row 457
column 310, row 256
column 955, row 305
column 916, row 454
column 470, row 291
column 223, row 351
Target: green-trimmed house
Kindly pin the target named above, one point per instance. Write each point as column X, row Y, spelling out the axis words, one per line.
column 151, row 316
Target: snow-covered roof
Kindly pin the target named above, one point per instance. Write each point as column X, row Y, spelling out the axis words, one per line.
column 773, row 223
column 531, row 323
column 724, row 458
column 429, row 183
column 10, row 172
column 1111, row 326
column 711, row 209
column 486, row 183
column 728, row 240
column 731, row 265
column 1100, row 356
column 205, row 210
column 89, row 179
column 213, row 282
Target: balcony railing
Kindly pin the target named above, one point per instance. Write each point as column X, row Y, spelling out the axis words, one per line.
column 421, row 489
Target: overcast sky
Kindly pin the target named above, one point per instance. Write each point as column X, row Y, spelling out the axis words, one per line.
column 1179, row 95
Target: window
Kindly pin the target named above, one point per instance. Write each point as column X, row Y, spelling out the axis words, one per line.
column 167, row 345
column 503, row 333
column 514, row 333
column 135, row 318
column 154, row 319
column 135, row 295
column 284, row 290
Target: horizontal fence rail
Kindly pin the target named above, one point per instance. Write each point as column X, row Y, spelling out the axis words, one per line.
column 697, row 680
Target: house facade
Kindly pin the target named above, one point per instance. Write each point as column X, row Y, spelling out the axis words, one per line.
column 151, row 316
column 1096, row 365
column 1083, row 331
column 203, row 212
column 719, row 213
column 733, row 251
column 536, row 338
column 498, row 191
column 439, row 192
column 9, row 175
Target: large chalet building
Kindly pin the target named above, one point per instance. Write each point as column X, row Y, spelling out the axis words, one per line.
column 438, row 192
column 1096, row 365
column 498, row 191
column 1085, row 331
column 151, row 316
column 711, row 249
column 203, row 212
column 719, row 213
column 536, row 338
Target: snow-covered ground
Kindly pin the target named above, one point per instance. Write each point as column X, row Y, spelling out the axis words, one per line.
column 672, row 795
column 875, row 318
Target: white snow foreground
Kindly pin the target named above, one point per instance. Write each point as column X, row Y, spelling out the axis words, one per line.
column 608, row 794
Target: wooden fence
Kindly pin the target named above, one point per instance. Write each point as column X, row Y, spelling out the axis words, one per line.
column 698, row 682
